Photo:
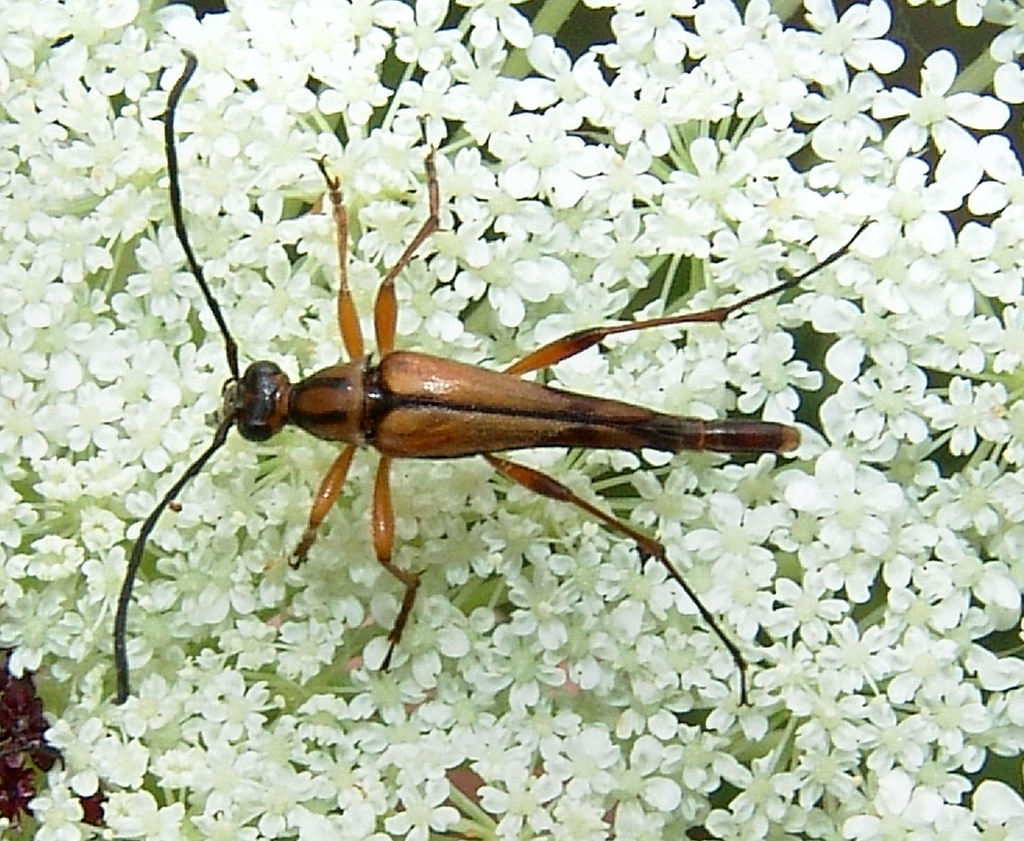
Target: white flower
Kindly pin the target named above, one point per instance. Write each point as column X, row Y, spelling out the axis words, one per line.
column 488, row 20
column 649, row 774
column 885, row 403
column 998, row 805
column 542, row 159
column 937, row 112
column 137, row 815
column 58, row 813
column 898, row 804
column 424, row 41
column 852, row 504
column 854, row 38
column 854, row 659
column 1003, row 165
column 806, row 609
column 422, row 812
column 519, row 800
column 972, row 412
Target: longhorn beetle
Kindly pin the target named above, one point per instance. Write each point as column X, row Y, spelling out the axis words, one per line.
column 414, row 405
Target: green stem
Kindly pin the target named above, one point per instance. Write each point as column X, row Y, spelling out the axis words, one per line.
column 547, row 21
column 977, row 76
column 785, row 9
column 477, row 817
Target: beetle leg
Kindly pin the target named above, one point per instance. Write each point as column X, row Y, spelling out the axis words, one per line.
column 383, row 527
column 577, row 342
column 348, row 318
column 574, row 343
column 543, row 484
column 385, row 312
column 330, row 487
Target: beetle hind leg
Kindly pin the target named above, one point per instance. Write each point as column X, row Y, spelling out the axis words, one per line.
column 649, row 548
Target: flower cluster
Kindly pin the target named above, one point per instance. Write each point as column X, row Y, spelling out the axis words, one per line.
column 23, row 749
column 25, row 753
column 548, row 684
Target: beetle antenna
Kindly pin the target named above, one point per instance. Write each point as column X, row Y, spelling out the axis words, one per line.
column 230, row 348
column 226, row 421
column 124, row 599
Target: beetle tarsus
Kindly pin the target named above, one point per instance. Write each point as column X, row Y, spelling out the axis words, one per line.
column 412, row 585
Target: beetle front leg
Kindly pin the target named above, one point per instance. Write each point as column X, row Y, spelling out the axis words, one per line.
column 348, row 318
column 330, row 487
column 383, row 527
column 385, row 312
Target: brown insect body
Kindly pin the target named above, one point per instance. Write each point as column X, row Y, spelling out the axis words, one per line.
column 415, row 405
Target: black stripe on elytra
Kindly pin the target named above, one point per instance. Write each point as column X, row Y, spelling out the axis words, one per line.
column 378, row 402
